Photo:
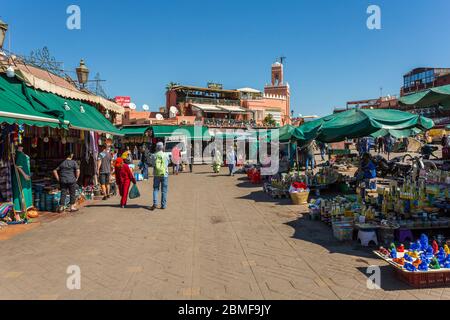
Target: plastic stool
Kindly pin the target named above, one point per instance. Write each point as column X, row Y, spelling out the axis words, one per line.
column 366, row 236
column 404, row 235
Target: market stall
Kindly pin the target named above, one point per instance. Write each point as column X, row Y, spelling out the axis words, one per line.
column 397, row 217
column 37, row 128
column 357, row 123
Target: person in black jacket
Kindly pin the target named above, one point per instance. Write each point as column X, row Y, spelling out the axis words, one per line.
column 67, row 174
column 146, row 160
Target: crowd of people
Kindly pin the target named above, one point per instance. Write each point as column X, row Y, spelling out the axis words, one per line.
column 381, row 145
column 110, row 164
column 230, row 157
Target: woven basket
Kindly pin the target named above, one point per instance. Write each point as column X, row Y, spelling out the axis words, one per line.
column 299, row 197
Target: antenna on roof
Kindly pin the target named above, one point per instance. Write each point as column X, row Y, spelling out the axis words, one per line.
column 282, row 59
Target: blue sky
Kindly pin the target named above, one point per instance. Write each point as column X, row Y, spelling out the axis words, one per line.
column 332, row 57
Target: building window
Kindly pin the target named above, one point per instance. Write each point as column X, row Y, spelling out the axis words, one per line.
column 259, row 115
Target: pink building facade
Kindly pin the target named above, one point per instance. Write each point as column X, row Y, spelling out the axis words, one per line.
column 218, row 107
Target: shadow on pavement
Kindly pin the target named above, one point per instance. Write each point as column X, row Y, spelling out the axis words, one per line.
column 318, row 233
column 217, row 175
column 261, row 196
column 104, row 205
column 247, row 184
column 388, row 281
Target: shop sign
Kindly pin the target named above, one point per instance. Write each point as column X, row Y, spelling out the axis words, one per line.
column 123, row 101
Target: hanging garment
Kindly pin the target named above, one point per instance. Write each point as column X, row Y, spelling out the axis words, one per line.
column 22, row 161
column 6, row 191
column 88, row 171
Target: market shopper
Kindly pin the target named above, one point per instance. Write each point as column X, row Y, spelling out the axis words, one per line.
column 126, row 156
column 104, row 165
column 176, row 159
column 191, row 160
column 217, row 160
column 309, row 156
column 124, row 178
column 406, row 143
column 323, row 148
column 387, row 144
column 146, row 159
column 364, row 146
column 67, row 174
column 284, row 163
column 135, row 153
column 160, row 162
column 231, row 160
column 114, row 154
column 380, row 141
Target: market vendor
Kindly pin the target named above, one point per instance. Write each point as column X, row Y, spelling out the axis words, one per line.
column 21, row 181
column 367, row 169
column 67, row 174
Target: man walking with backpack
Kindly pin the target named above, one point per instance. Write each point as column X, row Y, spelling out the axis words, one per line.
column 160, row 176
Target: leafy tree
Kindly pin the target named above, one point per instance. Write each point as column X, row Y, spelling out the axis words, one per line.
column 269, row 121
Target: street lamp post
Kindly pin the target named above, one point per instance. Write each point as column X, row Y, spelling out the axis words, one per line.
column 3, row 29
column 82, row 74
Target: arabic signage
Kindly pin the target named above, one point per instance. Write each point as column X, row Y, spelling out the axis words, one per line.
column 123, row 101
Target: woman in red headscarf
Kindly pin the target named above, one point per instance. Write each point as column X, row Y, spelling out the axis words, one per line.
column 124, row 177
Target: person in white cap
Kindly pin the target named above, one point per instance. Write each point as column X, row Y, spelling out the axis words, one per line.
column 160, row 176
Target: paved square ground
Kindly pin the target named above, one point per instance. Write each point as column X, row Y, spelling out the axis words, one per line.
column 220, row 238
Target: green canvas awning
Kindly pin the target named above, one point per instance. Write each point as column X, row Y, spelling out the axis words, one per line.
column 191, row 132
column 134, row 131
column 397, row 133
column 20, row 104
column 15, row 108
column 430, row 97
column 358, row 123
column 284, row 134
column 20, row 119
column 80, row 115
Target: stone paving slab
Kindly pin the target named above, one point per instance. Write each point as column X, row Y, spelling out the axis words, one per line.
column 220, row 238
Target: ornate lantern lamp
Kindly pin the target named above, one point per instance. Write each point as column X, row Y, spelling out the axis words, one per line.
column 82, row 73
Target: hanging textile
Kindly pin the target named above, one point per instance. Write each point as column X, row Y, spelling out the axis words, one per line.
column 6, row 194
column 6, row 191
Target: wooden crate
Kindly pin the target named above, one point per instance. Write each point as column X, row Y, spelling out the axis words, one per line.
column 433, row 278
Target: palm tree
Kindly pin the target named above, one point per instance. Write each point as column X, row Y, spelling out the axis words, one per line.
column 170, row 85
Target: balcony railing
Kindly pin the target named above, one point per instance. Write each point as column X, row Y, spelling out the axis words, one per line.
column 213, row 122
column 232, row 123
column 417, row 87
column 213, row 101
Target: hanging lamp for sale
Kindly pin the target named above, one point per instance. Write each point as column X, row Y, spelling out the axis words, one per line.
column 66, row 106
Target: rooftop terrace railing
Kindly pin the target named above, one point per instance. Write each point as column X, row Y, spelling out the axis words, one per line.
column 213, row 101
